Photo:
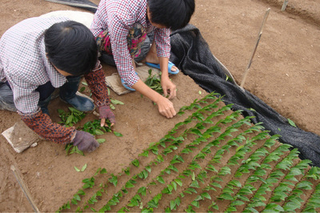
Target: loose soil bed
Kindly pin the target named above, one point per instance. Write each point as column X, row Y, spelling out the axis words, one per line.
column 284, row 74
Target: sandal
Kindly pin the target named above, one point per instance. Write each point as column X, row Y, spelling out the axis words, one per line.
column 170, row 65
column 126, row 86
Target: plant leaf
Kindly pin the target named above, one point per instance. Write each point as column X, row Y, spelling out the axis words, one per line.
column 101, row 140
column 78, row 170
column 84, row 167
column 291, row 123
column 117, row 134
column 116, row 102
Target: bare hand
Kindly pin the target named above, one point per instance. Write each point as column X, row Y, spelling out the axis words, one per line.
column 166, row 108
column 169, row 88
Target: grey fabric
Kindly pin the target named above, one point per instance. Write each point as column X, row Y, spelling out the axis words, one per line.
column 85, row 4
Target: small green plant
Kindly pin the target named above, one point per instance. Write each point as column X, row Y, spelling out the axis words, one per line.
column 70, row 118
column 115, row 102
column 292, row 123
column 82, row 169
column 71, row 149
column 94, row 127
column 154, row 82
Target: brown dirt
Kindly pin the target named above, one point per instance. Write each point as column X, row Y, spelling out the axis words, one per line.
column 285, row 74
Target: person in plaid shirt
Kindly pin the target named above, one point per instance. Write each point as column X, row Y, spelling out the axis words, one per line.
column 40, row 54
column 122, row 29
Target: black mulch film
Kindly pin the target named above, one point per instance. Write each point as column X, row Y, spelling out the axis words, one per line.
column 192, row 55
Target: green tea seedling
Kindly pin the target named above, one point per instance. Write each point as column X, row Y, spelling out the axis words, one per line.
column 72, row 117
column 70, row 149
column 115, row 102
column 82, row 169
column 291, row 123
column 154, row 82
column 94, row 127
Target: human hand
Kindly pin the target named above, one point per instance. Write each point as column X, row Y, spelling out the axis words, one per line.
column 168, row 88
column 166, row 108
column 106, row 112
column 85, row 141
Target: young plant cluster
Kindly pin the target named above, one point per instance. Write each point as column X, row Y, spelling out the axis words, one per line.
column 73, row 116
column 213, row 161
column 153, row 81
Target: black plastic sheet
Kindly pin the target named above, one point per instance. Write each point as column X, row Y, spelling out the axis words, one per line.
column 191, row 53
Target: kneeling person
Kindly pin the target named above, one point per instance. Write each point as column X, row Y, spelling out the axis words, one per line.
column 40, row 54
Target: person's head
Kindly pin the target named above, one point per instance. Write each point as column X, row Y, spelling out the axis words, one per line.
column 173, row 14
column 71, row 47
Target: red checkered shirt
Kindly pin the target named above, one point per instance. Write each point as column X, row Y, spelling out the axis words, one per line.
column 118, row 17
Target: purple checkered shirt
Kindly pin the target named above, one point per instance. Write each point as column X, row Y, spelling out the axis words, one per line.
column 23, row 62
column 118, row 16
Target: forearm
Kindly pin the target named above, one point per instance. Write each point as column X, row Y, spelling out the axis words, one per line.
column 164, row 67
column 141, row 87
column 42, row 124
column 97, row 84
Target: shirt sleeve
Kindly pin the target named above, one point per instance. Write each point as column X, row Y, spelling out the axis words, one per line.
column 162, row 40
column 42, row 124
column 97, row 84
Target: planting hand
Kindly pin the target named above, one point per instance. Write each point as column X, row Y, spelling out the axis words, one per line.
column 106, row 112
column 85, row 141
column 169, row 88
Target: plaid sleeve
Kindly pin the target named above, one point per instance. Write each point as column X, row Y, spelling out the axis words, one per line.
column 162, row 39
column 97, row 84
column 42, row 124
column 121, row 55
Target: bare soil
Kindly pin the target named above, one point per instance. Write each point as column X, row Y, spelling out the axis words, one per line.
column 285, row 74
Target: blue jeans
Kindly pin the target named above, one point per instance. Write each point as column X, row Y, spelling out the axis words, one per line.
column 6, row 98
column 67, row 91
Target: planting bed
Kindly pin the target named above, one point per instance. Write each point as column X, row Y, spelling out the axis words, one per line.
column 215, row 160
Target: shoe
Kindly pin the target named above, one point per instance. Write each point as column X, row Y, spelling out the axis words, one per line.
column 80, row 103
column 170, row 65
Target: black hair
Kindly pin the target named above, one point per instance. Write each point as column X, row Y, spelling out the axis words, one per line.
column 71, row 47
column 174, row 14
